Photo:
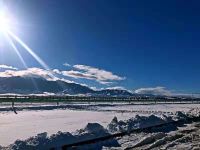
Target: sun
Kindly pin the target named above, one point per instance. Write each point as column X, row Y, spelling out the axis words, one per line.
column 4, row 22
column 8, row 23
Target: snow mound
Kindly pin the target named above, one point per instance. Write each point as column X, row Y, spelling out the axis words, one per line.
column 42, row 141
column 115, row 125
column 95, row 130
column 60, row 138
column 137, row 122
column 91, row 131
column 180, row 115
column 37, row 142
column 194, row 112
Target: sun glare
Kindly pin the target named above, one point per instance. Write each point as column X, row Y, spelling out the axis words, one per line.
column 4, row 22
column 5, row 27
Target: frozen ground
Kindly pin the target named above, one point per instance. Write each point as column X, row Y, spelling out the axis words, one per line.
column 152, row 107
column 33, row 119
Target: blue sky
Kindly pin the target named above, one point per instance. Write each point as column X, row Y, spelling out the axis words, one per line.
column 144, row 43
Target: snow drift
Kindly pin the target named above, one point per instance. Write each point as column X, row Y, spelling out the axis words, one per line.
column 95, row 130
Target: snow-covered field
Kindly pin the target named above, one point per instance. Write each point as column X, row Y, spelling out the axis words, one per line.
column 33, row 119
column 163, row 108
column 29, row 123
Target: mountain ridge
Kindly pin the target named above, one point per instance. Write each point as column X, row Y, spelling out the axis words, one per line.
column 31, row 85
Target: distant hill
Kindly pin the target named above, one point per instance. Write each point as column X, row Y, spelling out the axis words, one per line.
column 113, row 92
column 35, row 85
column 27, row 85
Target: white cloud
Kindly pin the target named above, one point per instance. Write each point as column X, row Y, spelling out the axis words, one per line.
column 100, row 74
column 66, row 64
column 78, row 74
column 154, row 91
column 105, row 82
column 57, row 71
column 116, row 88
column 86, row 72
column 92, row 73
column 165, row 92
column 8, row 67
column 30, row 72
column 50, row 75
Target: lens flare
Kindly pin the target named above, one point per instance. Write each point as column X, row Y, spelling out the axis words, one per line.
column 26, row 47
column 5, row 27
column 20, row 57
column 4, row 22
column 15, row 49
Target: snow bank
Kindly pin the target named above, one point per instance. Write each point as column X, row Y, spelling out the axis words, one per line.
column 137, row 122
column 180, row 115
column 42, row 141
column 91, row 131
column 95, row 130
column 194, row 112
